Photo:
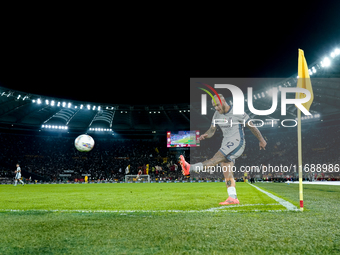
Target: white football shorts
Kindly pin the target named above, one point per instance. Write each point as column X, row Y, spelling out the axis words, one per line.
column 232, row 148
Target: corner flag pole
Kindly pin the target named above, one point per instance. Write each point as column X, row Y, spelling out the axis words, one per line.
column 303, row 82
column 300, row 159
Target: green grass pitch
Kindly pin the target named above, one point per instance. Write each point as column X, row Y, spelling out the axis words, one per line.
column 187, row 140
column 166, row 218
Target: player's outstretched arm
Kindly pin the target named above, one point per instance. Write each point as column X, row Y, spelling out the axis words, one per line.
column 211, row 131
column 258, row 135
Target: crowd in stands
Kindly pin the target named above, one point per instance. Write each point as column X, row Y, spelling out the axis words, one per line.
column 319, row 146
column 49, row 156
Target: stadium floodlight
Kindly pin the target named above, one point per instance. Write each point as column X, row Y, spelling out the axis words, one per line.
column 99, row 108
column 255, row 97
column 47, row 102
column 262, row 94
column 64, row 104
column 58, row 104
column 81, row 106
column 88, row 107
column 326, row 62
column 69, row 105
column 94, row 108
column 337, row 52
column 38, row 101
column 52, row 103
column 18, row 96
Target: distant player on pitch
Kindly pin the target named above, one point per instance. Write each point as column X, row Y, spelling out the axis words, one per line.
column 233, row 145
column 18, row 176
column 138, row 175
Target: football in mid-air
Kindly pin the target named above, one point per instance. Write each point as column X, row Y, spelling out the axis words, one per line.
column 84, row 143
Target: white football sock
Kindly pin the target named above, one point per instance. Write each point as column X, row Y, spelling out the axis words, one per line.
column 196, row 167
column 21, row 181
column 232, row 192
column 15, row 183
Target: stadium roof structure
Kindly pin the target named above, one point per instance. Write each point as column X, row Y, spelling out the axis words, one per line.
column 22, row 111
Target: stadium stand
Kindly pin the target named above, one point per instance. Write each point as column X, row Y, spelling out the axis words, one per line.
column 46, row 157
column 41, row 131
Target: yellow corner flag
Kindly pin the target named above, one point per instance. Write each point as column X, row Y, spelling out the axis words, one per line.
column 303, row 82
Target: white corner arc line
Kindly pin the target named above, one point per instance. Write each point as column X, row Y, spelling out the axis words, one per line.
column 214, row 209
column 288, row 205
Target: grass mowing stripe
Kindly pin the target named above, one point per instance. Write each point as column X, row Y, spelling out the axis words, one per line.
column 283, row 202
column 129, row 197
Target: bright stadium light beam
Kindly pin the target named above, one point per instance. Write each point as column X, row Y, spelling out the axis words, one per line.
column 326, row 62
column 337, row 52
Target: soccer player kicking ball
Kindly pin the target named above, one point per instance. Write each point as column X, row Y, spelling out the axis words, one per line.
column 232, row 146
column 18, row 176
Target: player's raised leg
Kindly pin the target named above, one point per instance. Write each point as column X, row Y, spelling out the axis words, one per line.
column 186, row 167
column 227, row 168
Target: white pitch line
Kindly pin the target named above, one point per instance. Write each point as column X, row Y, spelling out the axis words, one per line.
column 288, row 205
column 214, row 209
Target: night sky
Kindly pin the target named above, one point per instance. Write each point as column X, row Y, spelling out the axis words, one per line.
column 148, row 65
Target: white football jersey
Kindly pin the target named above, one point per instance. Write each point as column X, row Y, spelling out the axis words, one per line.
column 230, row 124
column 18, row 169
